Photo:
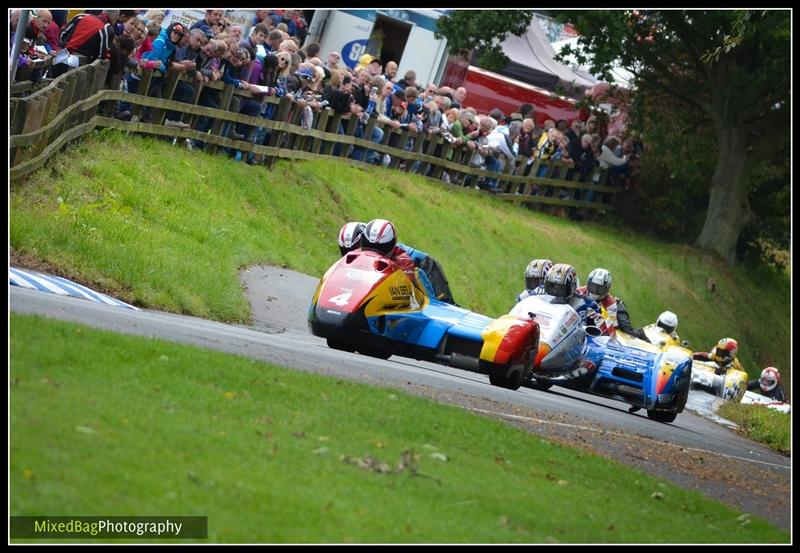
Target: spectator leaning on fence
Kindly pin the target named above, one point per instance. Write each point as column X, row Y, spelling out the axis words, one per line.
column 35, row 32
column 135, row 29
column 210, row 67
column 157, row 59
column 186, row 61
column 89, row 36
column 608, row 159
column 273, row 82
column 153, row 30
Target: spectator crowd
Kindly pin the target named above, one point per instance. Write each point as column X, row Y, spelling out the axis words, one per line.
column 273, row 59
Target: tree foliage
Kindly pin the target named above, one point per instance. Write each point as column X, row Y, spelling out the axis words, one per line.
column 712, row 89
column 484, row 31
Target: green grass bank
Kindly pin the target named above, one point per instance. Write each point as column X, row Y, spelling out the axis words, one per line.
column 165, row 228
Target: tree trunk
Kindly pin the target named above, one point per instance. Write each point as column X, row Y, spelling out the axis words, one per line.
column 728, row 206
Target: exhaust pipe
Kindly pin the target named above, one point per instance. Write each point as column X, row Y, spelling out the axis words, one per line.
column 459, row 361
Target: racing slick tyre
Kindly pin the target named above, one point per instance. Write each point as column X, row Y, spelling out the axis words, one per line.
column 505, row 377
column 340, row 345
column 662, row 416
column 537, row 384
column 378, row 354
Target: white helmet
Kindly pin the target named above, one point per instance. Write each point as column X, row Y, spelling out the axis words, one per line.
column 350, row 236
column 770, row 377
column 536, row 271
column 379, row 235
column 668, row 321
column 599, row 284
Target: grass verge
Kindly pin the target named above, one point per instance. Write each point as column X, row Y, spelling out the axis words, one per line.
column 109, row 424
column 758, row 423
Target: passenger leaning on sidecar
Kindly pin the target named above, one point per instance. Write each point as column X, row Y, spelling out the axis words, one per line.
column 723, row 354
column 614, row 311
column 769, row 384
column 534, row 278
column 561, row 282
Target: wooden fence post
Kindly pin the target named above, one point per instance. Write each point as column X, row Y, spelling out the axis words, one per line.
column 216, row 127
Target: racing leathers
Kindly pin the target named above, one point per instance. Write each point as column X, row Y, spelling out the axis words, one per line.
column 660, row 337
column 624, row 322
column 538, row 291
column 721, row 367
column 608, row 310
column 776, row 393
column 431, row 274
column 588, row 310
column 403, row 260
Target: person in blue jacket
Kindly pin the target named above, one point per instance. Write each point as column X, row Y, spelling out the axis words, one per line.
column 159, row 58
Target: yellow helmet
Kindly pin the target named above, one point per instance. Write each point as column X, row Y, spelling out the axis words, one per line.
column 725, row 351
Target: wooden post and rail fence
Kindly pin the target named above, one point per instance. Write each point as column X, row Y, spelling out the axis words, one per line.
column 77, row 102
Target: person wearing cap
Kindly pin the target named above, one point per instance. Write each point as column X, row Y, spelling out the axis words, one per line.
column 375, row 67
column 304, row 79
column 301, row 90
column 399, row 111
column 164, row 46
column 159, row 58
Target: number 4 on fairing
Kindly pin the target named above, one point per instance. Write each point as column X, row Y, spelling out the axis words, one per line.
column 342, row 299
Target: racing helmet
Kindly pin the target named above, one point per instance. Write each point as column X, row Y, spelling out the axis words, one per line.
column 668, row 321
column 350, row 236
column 379, row 235
column 535, row 272
column 725, row 351
column 561, row 281
column 770, row 377
column 598, row 284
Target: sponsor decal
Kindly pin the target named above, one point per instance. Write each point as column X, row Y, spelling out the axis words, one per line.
column 363, row 276
column 401, row 292
column 332, row 312
column 571, row 319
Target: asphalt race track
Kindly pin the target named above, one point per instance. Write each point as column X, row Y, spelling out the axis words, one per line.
column 693, row 452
